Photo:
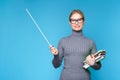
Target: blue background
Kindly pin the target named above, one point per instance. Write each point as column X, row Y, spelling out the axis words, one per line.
column 24, row 54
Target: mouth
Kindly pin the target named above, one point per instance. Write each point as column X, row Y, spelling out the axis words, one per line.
column 76, row 26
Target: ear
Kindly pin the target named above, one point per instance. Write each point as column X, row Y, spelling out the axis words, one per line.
column 69, row 22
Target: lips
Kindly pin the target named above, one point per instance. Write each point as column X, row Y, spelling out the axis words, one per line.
column 76, row 26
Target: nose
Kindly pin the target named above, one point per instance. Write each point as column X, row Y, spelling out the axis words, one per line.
column 76, row 22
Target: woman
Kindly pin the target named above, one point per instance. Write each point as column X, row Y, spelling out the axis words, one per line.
column 75, row 49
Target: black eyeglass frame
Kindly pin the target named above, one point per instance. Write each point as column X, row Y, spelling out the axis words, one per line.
column 80, row 20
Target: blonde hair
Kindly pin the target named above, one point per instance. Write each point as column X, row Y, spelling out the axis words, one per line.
column 76, row 11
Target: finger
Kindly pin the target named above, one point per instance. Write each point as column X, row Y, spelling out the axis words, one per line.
column 51, row 46
column 91, row 55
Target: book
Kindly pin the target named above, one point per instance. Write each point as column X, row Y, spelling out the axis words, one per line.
column 99, row 55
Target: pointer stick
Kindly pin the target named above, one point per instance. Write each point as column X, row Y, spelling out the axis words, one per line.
column 38, row 27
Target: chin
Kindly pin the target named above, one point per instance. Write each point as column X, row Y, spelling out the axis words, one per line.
column 77, row 29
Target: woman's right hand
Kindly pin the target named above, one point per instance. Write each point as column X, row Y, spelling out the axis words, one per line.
column 53, row 50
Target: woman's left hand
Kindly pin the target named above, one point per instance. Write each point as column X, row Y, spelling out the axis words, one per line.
column 90, row 60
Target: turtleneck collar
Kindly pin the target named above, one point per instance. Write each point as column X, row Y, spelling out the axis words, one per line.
column 76, row 33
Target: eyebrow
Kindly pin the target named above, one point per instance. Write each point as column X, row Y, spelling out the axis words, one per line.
column 76, row 19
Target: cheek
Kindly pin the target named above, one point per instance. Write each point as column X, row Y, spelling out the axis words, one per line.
column 72, row 25
column 82, row 24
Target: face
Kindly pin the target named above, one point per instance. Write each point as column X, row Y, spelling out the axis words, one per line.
column 76, row 22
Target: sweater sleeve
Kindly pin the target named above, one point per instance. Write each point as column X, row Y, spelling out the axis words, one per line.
column 57, row 60
column 97, row 65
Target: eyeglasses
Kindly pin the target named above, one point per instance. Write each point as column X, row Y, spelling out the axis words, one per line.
column 73, row 21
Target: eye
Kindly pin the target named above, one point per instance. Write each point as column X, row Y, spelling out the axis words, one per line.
column 73, row 21
column 80, row 20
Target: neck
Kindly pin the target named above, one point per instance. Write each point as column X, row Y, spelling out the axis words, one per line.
column 76, row 33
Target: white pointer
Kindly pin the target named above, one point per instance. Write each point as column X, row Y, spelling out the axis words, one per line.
column 38, row 27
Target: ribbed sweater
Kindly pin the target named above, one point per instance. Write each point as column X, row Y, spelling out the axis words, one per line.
column 74, row 49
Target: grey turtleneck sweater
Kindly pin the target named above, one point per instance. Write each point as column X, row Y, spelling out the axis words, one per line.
column 74, row 49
